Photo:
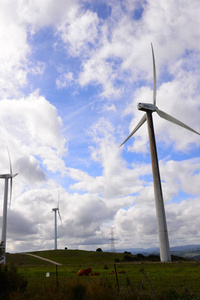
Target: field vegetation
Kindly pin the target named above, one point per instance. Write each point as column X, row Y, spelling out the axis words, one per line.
column 141, row 278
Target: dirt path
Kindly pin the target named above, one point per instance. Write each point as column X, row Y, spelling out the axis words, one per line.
column 39, row 257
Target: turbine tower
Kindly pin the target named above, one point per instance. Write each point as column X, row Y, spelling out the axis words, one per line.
column 112, row 240
column 5, row 205
column 159, row 203
column 55, row 210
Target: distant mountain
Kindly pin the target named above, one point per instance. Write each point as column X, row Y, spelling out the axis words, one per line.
column 186, row 247
column 185, row 251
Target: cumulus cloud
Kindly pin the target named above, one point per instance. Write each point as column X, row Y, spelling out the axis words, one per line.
column 33, row 126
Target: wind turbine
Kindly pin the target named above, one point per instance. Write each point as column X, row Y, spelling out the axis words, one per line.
column 159, row 203
column 56, row 209
column 4, row 222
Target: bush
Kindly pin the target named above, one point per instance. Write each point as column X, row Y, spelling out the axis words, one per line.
column 1, row 251
column 153, row 257
column 10, row 281
column 140, row 256
column 126, row 252
column 130, row 258
column 78, row 291
column 99, row 250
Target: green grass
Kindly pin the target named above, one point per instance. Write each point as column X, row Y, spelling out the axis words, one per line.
column 168, row 278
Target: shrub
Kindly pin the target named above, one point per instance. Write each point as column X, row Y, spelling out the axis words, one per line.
column 99, row 250
column 129, row 258
column 126, row 252
column 153, row 257
column 78, row 291
column 140, row 256
column 10, row 281
column 1, row 251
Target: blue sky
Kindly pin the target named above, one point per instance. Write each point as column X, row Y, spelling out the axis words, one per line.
column 72, row 74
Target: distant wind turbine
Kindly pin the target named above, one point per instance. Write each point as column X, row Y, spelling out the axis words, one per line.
column 159, row 203
column 4, row 222
column 56, row 209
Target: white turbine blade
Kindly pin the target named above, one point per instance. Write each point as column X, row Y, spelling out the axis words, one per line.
column 135, row 129
column 58, row 200
column 10, row 177
column 9, row 162
column 154, row 77
column 167, row 117
column 13, row 175
column 59, row 216
column 10, row 191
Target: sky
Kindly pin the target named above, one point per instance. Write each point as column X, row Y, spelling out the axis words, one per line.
column 71, row 75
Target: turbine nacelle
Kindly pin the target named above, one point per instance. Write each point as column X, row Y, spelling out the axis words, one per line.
column 6, row 176
column 146, row 106
column 55, row 209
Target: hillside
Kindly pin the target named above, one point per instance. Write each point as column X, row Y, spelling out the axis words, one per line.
column 65, row 257
column 134, row 275
column 82, row 258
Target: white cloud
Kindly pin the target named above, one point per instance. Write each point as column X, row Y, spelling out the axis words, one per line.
column 80, row 32
column 109, row 108
column 14, row 50
column 65, row 80
column 45, row 13
column 32, row 127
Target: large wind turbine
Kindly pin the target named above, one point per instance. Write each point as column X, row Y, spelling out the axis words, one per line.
column 5, row 205
column 160, row 210
column 56, row 209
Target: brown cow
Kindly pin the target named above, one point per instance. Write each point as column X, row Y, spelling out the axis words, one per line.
column 112, row 272
column 122, row 272
column 84, row 272
column 95, row 274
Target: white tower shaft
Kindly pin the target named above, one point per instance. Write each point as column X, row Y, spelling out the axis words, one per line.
column 55, row 229
column 4, row 222
column 159, row 203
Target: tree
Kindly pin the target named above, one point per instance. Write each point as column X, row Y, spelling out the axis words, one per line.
column 99, row 250
column 2, row 251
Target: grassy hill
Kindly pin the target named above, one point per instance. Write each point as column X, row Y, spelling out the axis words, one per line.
column 193, row 253
column 140, row 280
column 65, row 257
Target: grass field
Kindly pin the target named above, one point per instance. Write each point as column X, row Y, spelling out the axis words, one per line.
column 141, row 280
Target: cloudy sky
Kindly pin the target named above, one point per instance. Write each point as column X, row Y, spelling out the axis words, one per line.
column 71, row 75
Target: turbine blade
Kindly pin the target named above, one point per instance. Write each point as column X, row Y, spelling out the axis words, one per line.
column 9, row 162
column 135, row 129
column 59, row 216
column 58, row 200
column 10, row 177
column 10, row 191
column 13, row 175
column 154, row 76
column 167, row 117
